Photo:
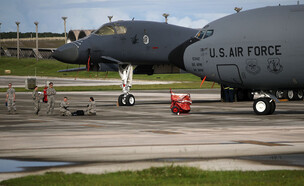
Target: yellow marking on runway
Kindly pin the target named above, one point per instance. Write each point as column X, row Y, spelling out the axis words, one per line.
column 261, row 143
column 283, row 100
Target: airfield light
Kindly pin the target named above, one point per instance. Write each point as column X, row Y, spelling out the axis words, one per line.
column 64, row 20
column 110, row 18
column 18, row 48
column 0, row 41
column 166, row 17
column 37, row 51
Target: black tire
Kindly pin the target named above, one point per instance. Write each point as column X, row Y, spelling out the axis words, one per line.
column 299, row 94
column 262, row 106
column 122, row 100
column 273, row 107
column 130, row 99
column 175, row 110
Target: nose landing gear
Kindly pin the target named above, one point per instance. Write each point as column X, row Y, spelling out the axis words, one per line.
column 265, row 105
column 126, row 75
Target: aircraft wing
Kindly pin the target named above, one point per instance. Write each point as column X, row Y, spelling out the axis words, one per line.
column 73, row 69
column 108, row 59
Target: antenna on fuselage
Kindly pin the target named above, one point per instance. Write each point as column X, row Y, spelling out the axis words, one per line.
column 166, row 17
column 237, row 9
column 110, row 18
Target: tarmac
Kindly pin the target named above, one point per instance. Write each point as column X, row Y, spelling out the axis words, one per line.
column 213, row 136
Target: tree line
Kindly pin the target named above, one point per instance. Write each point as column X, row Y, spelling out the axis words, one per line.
column 12, row 35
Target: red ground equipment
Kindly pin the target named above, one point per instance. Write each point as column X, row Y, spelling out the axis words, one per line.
column 180, row 103
column 45, row 100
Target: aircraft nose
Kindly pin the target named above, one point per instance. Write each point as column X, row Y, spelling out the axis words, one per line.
column 176, row 56
column 67, row 53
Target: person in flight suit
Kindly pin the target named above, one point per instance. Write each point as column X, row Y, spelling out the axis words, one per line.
column 36, row 100
column 51, row 92
column 91, row 110
column 64, row 107
column 10, row 99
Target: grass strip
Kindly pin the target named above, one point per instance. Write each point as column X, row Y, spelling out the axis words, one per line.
column 49, row 68
column 170, row 175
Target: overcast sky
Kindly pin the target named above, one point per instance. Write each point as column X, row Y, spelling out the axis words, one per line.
column 91, row 14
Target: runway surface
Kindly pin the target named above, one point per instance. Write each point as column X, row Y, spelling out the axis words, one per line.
column 214, row 136
column 19, row 81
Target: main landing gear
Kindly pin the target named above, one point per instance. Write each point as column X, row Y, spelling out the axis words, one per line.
column 265, row 105
column 126, row 75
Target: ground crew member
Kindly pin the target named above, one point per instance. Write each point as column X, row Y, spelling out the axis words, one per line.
column 64, row 107
column 51, row 92
column 36, row 100
column 10, row 98
column 91, row 110
column 226, row 93
column 229, row 93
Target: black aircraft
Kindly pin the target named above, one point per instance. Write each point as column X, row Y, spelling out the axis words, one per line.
column 118, row 46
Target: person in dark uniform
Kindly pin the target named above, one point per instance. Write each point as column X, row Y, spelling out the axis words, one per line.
column 228, row 93
column 231, row 94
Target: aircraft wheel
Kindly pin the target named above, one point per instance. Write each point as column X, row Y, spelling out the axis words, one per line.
column 130, row 99
column 290, row 95
column 122, row 100
column 279, row 94
column 175, row 110
column 300, row 94
column 262, row 106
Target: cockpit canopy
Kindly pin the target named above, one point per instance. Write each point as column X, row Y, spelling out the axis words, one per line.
column 111, row 30
column 203, row 34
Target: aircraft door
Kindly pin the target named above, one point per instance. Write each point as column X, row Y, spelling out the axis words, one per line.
column 229, row 73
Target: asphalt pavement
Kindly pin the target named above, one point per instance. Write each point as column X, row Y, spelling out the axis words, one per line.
column 213, row 136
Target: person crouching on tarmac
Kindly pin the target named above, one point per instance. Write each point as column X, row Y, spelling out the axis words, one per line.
column 36, row 100
column 91, row 110
column 64, row 105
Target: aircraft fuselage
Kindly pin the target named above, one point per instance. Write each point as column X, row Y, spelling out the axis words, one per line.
column 259, row 49
column 132, row 42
